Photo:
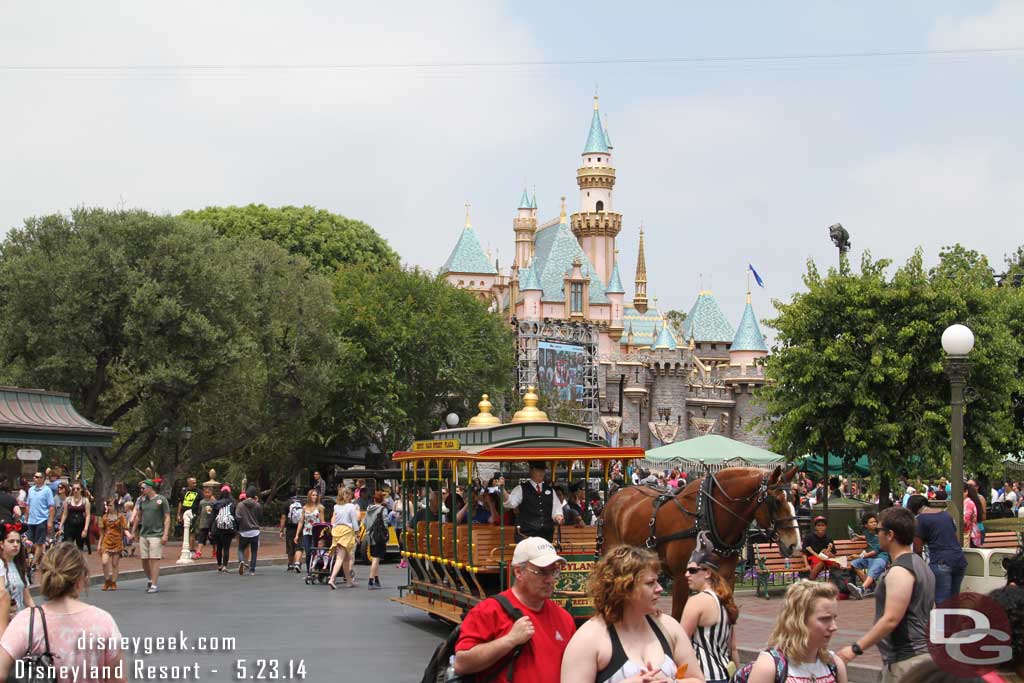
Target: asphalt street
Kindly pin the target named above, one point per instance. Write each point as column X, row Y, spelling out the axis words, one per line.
column 276, row 621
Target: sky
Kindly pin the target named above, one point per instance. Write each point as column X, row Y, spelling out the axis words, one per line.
column 741, row 131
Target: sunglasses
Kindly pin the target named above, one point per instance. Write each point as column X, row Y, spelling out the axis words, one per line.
column 547, row 574
column 693, row 570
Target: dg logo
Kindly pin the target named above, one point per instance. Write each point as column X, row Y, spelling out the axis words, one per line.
column 969, row 635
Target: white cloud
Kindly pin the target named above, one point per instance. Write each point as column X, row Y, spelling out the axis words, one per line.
column 1002, row 27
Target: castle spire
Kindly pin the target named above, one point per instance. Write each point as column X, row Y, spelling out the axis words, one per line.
column 561, row 214
column 468, row 223
column 524, row 201
column 640, row 295
column 596, row 142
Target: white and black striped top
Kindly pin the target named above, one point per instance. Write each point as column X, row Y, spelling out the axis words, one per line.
column 711, row 644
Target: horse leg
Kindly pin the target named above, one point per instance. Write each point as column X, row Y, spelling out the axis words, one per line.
column 680, row 594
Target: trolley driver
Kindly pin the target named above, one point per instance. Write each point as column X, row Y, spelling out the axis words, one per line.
column 538, row 507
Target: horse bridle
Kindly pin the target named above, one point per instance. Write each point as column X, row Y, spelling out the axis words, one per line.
column 705, row 518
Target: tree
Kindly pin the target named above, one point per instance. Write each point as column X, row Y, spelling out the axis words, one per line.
column 675, row 320
column 153, row 323
column 326, row 240
column 857, row 367
column 423, row 348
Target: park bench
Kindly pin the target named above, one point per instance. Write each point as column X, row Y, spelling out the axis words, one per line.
column 770, row 567
column 1001, row 539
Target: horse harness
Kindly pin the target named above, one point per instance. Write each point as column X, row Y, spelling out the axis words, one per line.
column 705, row 516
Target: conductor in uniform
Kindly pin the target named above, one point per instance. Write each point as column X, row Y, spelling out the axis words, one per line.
column 537, row 505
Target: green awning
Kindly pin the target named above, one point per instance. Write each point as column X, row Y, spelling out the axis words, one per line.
column 815, row 465
column 32, row 417
column 715, row 451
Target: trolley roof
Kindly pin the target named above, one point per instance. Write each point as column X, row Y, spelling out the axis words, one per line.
column 519, row 453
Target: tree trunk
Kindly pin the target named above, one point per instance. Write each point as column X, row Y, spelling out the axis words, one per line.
column 884, row 492
column 103, row 483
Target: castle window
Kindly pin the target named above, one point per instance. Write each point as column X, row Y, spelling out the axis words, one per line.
column 599, row 160
column 600, row 205
column 576, row 297
column 714, row 346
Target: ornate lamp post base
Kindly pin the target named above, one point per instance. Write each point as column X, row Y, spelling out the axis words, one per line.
column 186, row 554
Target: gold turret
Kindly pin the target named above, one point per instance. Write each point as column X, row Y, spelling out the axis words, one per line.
column 530, row 412
column 484, row 417
column 640, row 298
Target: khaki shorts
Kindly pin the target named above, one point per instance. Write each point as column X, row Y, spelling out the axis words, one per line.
column 150, row 548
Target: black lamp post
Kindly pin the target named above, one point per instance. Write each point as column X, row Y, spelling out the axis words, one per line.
column 957, row 342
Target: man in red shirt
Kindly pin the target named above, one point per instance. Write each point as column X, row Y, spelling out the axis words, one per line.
column 488, row 636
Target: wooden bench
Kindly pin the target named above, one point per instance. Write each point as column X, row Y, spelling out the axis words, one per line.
column 576, row 540
column 769, row 564
column 851, row 548
column 1000, row 539
column 491, row 545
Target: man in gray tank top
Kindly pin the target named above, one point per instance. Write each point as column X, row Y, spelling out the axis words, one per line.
column 903, row 601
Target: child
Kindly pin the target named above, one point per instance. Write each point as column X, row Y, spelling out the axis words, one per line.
column 819, row 548
column 872, row 562
column 129, row 542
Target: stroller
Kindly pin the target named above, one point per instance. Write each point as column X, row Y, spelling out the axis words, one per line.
column 321, row 560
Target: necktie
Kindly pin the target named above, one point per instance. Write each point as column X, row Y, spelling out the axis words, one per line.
column 538, row 488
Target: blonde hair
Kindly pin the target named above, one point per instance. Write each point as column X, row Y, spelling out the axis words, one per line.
column 62, row 569
column 345, row 495
column 615, row 577
column 791, row 633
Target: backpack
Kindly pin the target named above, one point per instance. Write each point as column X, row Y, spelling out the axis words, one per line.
column 440, row 669
column 295, row 513
column 841, row 579
column 225, row 520
column 781, row 668
column 378, row 532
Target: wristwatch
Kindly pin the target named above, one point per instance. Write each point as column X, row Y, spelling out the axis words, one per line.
column 856, row 649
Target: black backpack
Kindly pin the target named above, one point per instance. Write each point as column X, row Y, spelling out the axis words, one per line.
column 437, row 668
column 378, row 532
column 841, row 578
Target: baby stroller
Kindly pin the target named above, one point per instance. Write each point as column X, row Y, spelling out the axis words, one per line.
column 321, row 558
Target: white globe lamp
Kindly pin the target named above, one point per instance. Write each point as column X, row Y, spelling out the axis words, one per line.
column 957, row 340
column 452, row 420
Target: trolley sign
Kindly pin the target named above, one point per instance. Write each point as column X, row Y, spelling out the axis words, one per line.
column 435, row 445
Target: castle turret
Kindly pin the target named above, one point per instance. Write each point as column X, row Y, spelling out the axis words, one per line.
column 640, row 284
column 665, row 340
column 525, row 227
column 529, row 285
column 748, row 344
column 596, row 225
column 468, row 267
column 615, row 294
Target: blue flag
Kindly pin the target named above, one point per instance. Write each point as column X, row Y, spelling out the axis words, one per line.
column 757, row 278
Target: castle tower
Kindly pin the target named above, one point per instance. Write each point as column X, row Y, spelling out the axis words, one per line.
column 615, row 294
column 596, row 224
column 468, row 267
column 525, row 226
column 640, row 295
column 748, row 344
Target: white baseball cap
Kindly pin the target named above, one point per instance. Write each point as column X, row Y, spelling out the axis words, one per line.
column 537, row 552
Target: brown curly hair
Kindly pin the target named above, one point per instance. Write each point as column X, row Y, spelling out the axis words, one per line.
column 615, row 577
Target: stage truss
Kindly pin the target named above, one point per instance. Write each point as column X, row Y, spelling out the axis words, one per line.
column 529, row 333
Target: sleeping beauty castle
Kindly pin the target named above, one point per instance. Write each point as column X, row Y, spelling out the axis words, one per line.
column 666, row 384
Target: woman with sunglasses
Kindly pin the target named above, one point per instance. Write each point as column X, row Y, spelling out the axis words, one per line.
column 629, row 640
column 75, row 519
column 710, row 616
column 14, row 557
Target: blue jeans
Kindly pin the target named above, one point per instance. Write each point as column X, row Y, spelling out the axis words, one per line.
column 947, row 580
column 874, row 565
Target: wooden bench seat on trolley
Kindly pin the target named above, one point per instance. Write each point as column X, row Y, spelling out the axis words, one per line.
column 438, row 543
column 576, row 540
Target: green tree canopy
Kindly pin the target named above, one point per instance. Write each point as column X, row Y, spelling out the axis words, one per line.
column 326, row 240
column 153, row 323
column 858, row 366
column 424, row 349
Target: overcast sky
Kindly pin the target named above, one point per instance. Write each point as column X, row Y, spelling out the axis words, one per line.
column 727, row 161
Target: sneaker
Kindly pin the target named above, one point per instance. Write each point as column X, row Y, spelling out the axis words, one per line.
column 152, row 589
column 856, row 592
column 403, row 564
column 241, row 568
column 197, row 555
column 867, row 593
column 252, row 572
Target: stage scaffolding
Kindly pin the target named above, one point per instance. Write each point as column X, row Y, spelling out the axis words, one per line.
column 529, row 333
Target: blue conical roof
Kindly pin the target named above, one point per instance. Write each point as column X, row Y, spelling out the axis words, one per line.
column 596, row 141
column 706, row 323
column 468, row 256
column 665, row 338
column 748, row 336
column 615, row 282
column 528, row 280
column 533, row 201
column 524, row 203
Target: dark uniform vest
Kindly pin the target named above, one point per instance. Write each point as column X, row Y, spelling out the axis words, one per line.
column 535, row 511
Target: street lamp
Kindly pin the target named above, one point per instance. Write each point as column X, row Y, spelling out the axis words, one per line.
column 452, row 420
column 957, row 342
column 664, row 414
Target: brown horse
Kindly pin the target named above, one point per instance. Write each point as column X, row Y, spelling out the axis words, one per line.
column 720, row 507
